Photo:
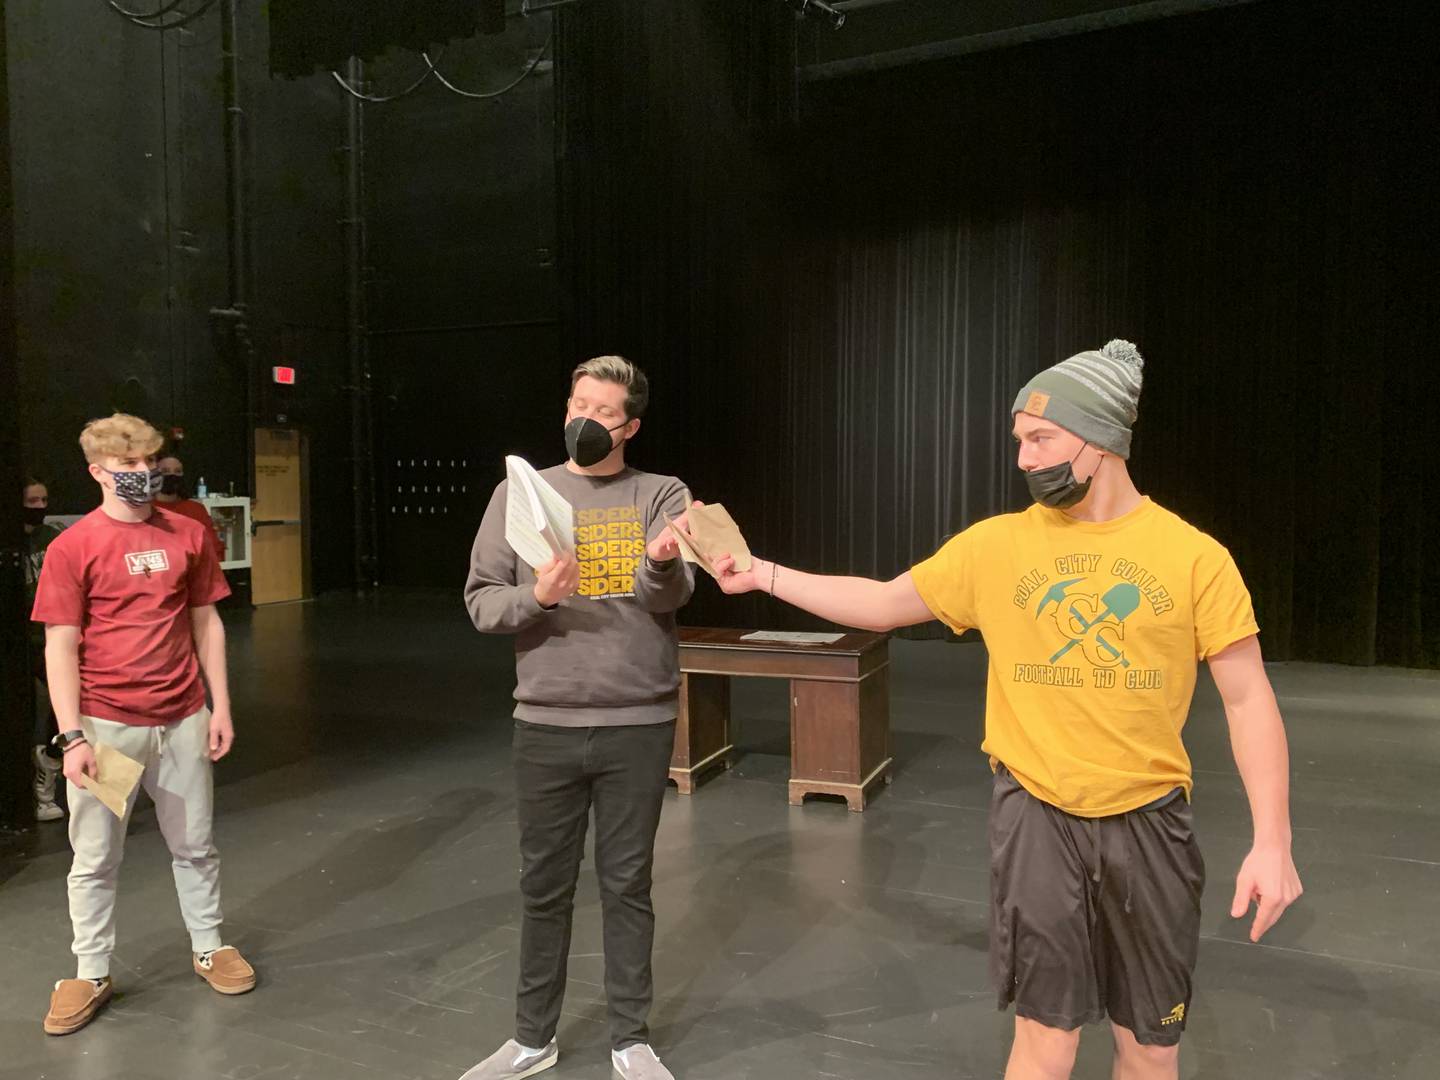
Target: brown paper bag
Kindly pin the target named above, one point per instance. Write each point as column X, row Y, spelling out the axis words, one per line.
column 712, row 533
column 115, row 779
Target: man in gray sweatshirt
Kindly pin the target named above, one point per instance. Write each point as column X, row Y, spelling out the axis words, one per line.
column 598, row 671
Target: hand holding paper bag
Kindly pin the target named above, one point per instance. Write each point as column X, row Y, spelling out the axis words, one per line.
column 666, row 545
column 115, row 778
column 705, row 534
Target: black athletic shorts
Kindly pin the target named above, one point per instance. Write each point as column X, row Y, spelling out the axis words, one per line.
column 1094, row 917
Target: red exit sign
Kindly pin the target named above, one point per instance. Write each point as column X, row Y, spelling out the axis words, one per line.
column 285, row 376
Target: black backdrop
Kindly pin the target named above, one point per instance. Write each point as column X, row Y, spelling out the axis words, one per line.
column 837, row 287
column 121, row 251
column 837, row 313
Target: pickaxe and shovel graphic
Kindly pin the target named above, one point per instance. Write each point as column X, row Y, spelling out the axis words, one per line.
column 1120, row 600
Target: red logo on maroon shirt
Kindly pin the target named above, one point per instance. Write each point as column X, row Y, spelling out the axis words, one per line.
column 146, row 562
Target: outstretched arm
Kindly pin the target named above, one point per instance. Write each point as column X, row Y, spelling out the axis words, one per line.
column 850, row 601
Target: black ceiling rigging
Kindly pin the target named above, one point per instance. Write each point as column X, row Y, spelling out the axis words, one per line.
column 157, row 19
column 307, row 36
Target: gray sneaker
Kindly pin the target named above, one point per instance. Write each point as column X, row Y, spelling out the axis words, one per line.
column 512, row 1063
column 639, row 1062
column 46, row 770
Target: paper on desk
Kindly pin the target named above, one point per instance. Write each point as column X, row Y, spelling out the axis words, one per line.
column 539, row 523
column 712, row 533
column 789, row 637
column 115, row 778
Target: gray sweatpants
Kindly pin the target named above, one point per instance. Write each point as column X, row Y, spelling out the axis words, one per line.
column 179, row 779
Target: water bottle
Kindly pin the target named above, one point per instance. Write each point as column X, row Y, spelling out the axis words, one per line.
column 200, row 490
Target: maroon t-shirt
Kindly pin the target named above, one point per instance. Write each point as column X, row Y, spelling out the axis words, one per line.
column 130, row 586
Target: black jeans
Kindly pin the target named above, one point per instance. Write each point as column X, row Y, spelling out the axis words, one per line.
column 560, row 773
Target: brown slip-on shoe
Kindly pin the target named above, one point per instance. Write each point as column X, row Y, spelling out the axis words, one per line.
column 74, row 1003
column 226, row 971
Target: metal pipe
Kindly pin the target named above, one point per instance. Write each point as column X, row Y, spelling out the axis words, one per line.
column 527, row 8
column 237, row 223
column 804, row 7
column 1121, row 15
column 356, row 335
column 234, row 154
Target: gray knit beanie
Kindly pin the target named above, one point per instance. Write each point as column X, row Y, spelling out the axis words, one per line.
column 1093, row 394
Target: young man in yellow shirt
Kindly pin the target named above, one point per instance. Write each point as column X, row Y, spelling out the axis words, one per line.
column 1096, row 606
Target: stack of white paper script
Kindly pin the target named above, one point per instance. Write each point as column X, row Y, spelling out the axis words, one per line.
column 539, row 524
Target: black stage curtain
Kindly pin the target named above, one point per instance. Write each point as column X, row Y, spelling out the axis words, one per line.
column 839, row 314
column 669, row 121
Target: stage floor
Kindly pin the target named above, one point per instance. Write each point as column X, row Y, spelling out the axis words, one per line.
column 367, row 826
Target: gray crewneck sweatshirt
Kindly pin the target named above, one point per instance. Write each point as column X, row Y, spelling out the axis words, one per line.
column 608, row 655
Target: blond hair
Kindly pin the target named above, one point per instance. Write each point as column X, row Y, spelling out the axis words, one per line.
column 617, row 369
column 121, row 435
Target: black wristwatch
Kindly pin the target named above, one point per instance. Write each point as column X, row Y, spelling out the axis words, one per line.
column 67, row 739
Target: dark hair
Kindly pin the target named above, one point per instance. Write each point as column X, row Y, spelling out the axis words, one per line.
column 617, row 369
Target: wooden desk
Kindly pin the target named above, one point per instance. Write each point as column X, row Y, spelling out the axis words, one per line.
column 839, row 709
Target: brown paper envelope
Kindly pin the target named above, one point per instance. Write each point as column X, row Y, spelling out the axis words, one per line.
column 715, row 534
column 116, row 778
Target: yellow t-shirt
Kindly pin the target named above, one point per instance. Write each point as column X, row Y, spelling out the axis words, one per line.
column 1095, row 630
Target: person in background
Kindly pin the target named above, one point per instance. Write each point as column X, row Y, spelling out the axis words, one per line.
column 36, row 501
column 174, row 495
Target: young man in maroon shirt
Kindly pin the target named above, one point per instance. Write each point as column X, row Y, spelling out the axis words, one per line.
column 127, row 595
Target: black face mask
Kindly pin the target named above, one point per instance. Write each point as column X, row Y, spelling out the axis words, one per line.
column 35, row 516
column 137, row 487
column 1055, row 486
column 173, row 484
column 588, row 441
